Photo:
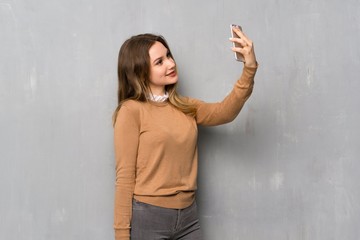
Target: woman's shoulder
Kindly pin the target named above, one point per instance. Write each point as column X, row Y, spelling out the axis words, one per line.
column 131, row 104
column 193, row 101
column 131, row 107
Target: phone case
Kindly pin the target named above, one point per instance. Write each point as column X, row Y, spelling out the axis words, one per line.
column 238, row 56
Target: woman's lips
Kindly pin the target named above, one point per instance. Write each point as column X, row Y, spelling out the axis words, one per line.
column 172, row 74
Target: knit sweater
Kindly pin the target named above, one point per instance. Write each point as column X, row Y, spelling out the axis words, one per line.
column 156, row 150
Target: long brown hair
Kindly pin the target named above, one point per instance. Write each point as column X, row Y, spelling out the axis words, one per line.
column 134, row 72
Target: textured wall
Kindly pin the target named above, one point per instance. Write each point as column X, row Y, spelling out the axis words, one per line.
column 286, row 168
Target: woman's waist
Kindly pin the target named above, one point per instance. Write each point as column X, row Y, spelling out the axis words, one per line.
column 179, row 200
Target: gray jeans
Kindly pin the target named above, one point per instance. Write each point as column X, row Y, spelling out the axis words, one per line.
column 156, row 223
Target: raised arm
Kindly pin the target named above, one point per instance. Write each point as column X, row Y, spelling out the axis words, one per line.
column 226, row 111
column 211, row 114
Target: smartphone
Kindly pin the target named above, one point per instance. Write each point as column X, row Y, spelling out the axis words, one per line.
column 238, row 56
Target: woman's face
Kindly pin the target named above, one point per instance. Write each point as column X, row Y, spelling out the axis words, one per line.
column 162, row 69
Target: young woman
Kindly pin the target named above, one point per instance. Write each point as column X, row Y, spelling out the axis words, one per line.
column 155, row 135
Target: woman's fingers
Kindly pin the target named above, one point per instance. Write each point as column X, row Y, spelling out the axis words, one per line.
column 240, row 42
column 242, row 35
column 244, row 46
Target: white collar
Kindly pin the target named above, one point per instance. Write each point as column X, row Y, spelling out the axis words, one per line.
column 157, row 98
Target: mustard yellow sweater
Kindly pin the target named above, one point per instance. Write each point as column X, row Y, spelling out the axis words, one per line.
column 156, row 151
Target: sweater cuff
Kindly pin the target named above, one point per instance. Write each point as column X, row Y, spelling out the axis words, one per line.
column 251, row 69
column 246, row 79
column 122, row 234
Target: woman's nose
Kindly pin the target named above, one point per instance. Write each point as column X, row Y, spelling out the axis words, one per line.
column 171, row 62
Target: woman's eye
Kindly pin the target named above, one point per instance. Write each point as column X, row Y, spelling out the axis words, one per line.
column 159, row 62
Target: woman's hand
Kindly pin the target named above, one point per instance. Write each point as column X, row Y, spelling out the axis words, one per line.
column 246, row 49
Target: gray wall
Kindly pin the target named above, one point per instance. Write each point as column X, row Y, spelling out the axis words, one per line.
column 286, row 168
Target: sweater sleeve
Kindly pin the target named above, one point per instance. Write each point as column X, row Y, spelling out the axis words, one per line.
column 211, row 114
column 126, row 138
